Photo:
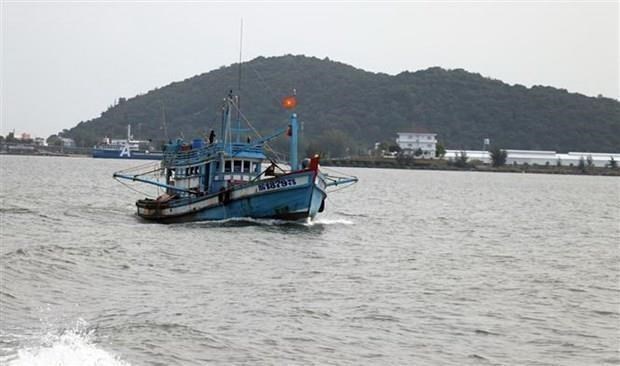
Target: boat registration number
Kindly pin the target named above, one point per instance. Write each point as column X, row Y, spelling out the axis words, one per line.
column 275, row 184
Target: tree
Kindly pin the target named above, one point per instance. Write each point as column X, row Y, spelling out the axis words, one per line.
column 582, row 164
column 394, row 148
column 11, row 137
column 440, row 151
column 498, row 156
column 333, row 143
column 461, row 159
column 418, row 152
column 613, row 164
column 54, row 140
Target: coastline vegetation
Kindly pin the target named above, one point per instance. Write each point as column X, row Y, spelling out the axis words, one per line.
column 463, row 163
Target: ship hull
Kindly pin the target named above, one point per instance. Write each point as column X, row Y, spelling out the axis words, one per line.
column 295, row 196
column 117, row 154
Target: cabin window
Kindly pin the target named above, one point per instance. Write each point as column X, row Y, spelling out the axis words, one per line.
column 237, row 166
column 227, row 166
column 246, row 166
column 256, row 167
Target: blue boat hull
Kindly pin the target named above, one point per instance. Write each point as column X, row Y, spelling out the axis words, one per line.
column 301, row 200
column 116, row 154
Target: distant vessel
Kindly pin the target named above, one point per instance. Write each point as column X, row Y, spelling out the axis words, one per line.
column 215, row 180
column 125, row 149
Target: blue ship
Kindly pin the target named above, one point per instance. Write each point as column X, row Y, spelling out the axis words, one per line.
column 125, row 149
column 107, row 153
column 216, row 180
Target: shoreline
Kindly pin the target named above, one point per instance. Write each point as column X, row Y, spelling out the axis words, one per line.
column 437, row 164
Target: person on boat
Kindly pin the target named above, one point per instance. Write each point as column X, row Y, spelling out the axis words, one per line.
column 211, row 136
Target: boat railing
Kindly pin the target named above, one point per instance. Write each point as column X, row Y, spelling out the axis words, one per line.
column 180, row 157
column 241, row 147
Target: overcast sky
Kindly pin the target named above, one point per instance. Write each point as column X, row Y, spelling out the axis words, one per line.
column 63, row 62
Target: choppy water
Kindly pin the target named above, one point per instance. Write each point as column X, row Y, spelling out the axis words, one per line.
column 406, row 267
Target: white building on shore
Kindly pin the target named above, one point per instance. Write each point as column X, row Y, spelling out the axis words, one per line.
column 539, row 157
column 410, row 142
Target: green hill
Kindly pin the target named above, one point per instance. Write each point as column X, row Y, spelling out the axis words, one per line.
column 343, row 108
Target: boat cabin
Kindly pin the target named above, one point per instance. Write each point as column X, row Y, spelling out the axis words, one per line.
column 199, row 168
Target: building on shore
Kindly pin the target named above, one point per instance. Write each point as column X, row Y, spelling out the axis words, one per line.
column 67, row 142
column 419, row 144
column 539, row 157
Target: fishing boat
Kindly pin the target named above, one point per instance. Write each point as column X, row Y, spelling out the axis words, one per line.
column 218, row 179
column 125, row 149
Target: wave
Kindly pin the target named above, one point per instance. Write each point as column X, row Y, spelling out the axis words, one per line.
column 71, row 348
column 16, row 210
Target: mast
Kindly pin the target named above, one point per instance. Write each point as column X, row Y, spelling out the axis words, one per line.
column 226, row 133
column 290, row 102
column 239, row 83
column 294, row 142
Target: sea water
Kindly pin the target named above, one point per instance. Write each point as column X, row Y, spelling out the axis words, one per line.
column 406, row 267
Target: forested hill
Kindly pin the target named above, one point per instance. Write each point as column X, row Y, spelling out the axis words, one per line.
column 343, row 107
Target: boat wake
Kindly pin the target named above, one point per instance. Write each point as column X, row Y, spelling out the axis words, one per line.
column 72, row 347
column 325, row 221
column 248, row 221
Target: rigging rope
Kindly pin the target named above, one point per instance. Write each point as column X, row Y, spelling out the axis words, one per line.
column 133, row 189
column 336, row 171
column 267, row 147
column 140, row 167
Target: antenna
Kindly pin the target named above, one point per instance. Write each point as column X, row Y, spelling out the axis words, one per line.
column 239, row 82
column 240, row 57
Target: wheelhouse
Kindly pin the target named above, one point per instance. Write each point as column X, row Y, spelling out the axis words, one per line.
column 199, row 168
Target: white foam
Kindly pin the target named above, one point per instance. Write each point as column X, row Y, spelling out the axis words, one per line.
column 276, row 222
column 71, row 348
column 323, row 221
column 248, row 220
